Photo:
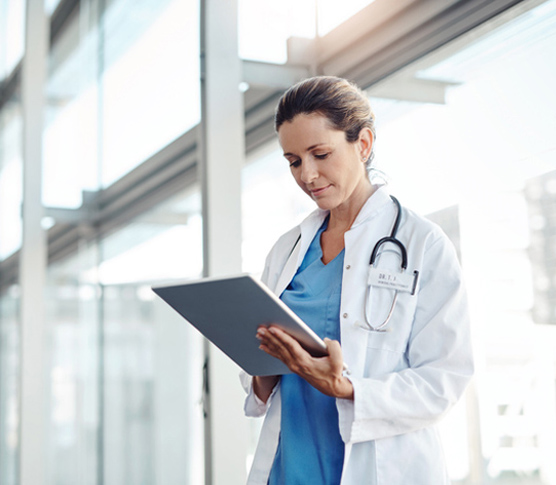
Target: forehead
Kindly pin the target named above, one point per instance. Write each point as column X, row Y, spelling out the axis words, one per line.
column 307, row 130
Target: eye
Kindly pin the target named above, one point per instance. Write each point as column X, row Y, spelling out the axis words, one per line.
column 295, row 163
column 322, row 156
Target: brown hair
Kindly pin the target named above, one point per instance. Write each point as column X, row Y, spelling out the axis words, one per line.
column 344, row 105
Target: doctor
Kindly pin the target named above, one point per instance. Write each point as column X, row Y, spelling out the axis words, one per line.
column 407, row 347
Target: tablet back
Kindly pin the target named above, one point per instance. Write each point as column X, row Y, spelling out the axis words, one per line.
column 228, row 311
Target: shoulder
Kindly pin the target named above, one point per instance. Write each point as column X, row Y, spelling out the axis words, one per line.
column 418, row 228
column 286, row 244
column 278, row 256
column 288, row 240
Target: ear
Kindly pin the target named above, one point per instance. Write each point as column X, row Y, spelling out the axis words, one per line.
column 365, row 142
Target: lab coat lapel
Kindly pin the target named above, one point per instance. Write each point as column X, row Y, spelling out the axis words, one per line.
column 308, row 229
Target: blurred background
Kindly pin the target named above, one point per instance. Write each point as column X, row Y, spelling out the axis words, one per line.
column 464, row 97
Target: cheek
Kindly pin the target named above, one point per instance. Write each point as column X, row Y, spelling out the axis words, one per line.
column 298, row 181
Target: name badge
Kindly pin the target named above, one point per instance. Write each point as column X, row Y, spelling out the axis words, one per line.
column 384, row 278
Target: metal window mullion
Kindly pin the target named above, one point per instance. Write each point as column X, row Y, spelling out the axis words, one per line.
column 222, row 152
column 34, row 362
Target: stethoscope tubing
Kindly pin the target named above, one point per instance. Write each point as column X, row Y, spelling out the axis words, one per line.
column 388, row 239
column 374, row 255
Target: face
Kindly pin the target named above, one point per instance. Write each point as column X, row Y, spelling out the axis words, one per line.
column 325, row 165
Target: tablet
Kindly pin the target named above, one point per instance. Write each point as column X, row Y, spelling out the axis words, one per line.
column 228, row 311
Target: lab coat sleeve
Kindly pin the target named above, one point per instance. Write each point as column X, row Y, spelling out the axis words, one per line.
column 253, row 406
column 439, row 359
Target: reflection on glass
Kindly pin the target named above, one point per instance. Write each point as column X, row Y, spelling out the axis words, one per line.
column 50, row 5
column 126, row 370
column 152, row 360
column 166, row 243
column 267, row 41
column 12, row 35
column 70, row 147
column 11, row 179
column 152, row 389
column 9, row 386
column 151, row 80
column 332, row 13
column 97, row 131
column 72, row 314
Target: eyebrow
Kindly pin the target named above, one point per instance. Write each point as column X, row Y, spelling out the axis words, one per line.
column 287, row 154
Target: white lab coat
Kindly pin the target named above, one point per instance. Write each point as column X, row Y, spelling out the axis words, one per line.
column 404, row 380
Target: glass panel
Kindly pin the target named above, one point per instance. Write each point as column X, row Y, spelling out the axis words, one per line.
column 153, row 424
column 50, row 6
column 9, row 386
column 165, row 243
column 159, row 37
column 332, row 13
column 266, row 41
column 70, row 146
column 11, row 179
column 12, row 35
column 72, row 314
column 150, row 89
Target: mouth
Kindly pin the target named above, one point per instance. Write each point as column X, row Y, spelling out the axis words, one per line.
column 319, row 191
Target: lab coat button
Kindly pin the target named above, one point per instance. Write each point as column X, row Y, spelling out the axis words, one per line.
column 345, row 315
column 348, row 266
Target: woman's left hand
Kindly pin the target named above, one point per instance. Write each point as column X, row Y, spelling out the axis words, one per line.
column 323, row 373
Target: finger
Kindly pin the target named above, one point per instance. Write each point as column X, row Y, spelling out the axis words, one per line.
column 273, row 344
column 266, row 338
column 281, row 345
column 288, row 343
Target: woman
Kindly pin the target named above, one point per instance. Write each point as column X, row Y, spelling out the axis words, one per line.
column 375, row 424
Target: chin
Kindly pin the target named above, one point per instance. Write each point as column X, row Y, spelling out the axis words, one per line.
column 324, row 204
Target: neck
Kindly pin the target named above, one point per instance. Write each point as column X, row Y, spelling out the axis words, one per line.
column 342, row 217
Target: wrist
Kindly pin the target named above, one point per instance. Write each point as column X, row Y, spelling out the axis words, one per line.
column 344, row 388
column 263, row 386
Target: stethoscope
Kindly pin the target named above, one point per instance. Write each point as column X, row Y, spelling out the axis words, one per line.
column 410, row 284
column 375, row 255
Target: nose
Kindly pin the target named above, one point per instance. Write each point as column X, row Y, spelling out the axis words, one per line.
column 309, row 171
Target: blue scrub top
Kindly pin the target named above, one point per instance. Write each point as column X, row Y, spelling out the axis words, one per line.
column 310, row 449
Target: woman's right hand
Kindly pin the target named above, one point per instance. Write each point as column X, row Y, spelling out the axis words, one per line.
column 263, row 385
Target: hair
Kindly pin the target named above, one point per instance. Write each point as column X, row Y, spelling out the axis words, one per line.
column 343, row 103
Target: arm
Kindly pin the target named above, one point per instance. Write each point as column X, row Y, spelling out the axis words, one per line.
column 263, row 386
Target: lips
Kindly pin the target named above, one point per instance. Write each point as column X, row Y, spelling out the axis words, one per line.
column 319, row 191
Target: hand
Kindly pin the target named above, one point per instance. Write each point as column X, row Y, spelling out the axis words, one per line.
column 323, row 373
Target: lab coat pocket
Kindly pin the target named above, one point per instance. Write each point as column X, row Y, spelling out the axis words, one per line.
column 389, row 312
column 394, row 335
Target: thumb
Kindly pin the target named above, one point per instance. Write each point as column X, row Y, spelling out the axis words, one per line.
column 334, row 350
